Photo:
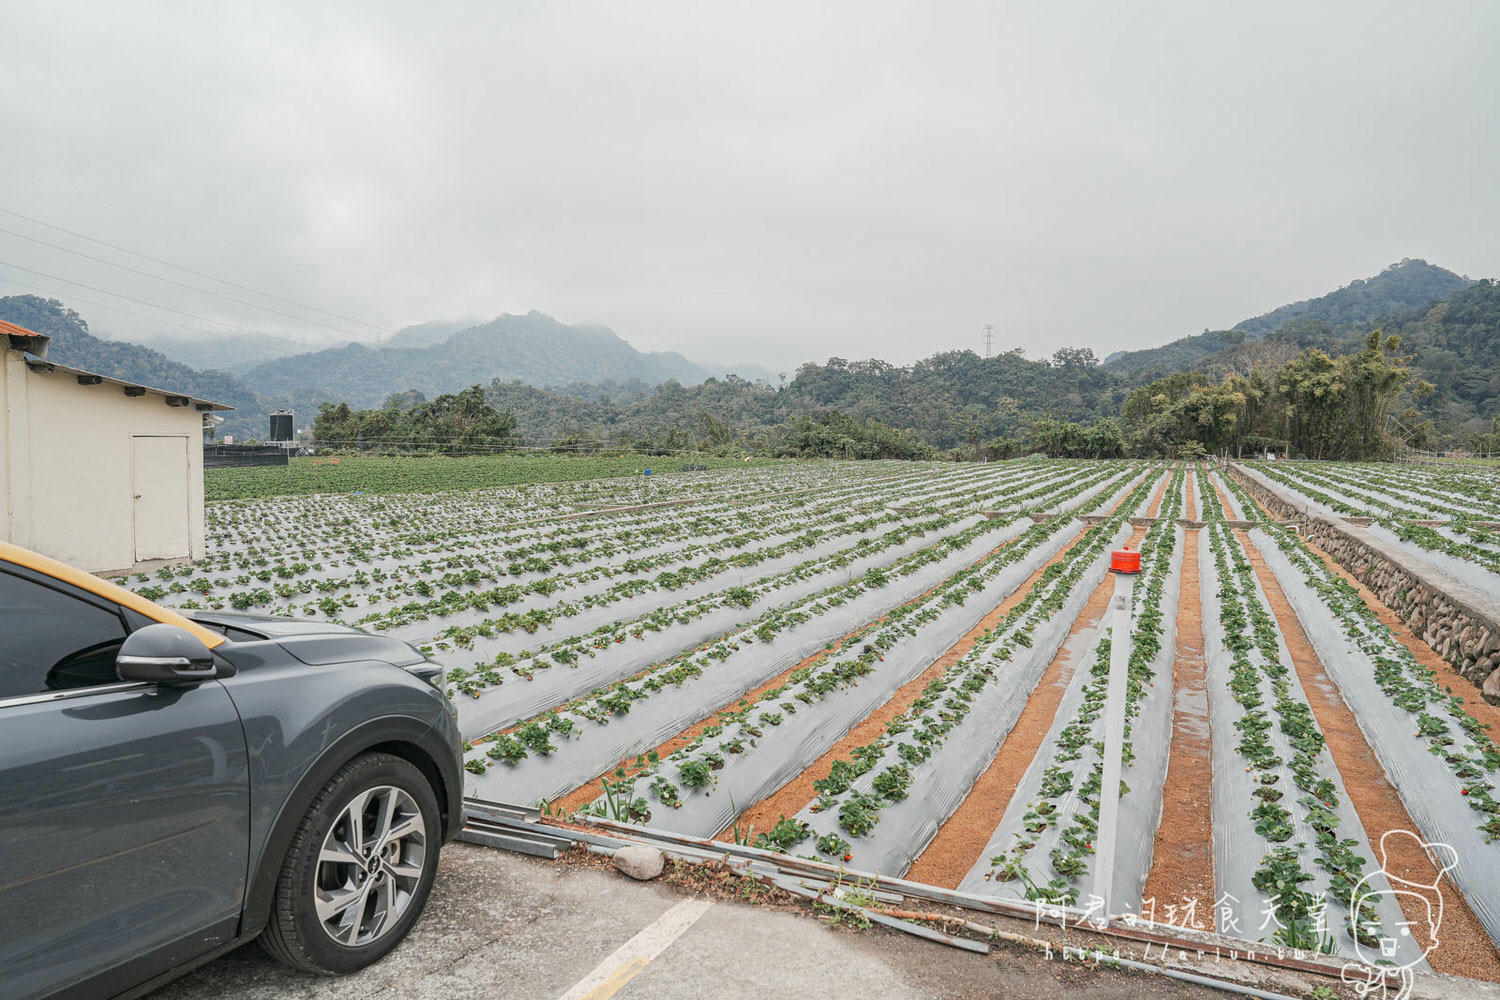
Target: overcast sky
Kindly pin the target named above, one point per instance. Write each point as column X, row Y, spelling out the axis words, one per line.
column 767, row 182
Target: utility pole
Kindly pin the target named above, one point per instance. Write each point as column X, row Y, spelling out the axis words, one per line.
column 1125, row 564
column 989, row 339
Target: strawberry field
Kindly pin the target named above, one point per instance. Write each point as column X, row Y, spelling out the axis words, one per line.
column 903, row 667
column 1448, row 518
column 432, row 473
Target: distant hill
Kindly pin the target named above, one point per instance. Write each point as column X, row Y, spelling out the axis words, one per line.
column 535, row 349
column 73, row 344
column 1410, row 284
column 574, row 363
column 230, row 352
column 240, row 353
column 429, row 334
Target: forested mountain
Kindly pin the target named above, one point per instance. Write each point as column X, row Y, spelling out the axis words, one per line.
column 1455, row 346
column 1357, row 404
column 238, row 353
column 958, row 399
column 73, row 344
column 1410, row 284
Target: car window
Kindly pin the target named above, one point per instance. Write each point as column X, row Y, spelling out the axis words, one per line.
column 52, row 641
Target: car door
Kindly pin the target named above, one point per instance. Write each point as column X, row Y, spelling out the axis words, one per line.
column 124, row 807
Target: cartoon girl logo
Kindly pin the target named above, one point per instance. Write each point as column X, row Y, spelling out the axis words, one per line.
column 1382, row 950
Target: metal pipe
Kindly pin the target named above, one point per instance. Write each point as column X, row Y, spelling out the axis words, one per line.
column 883, row 919
column 1182, row 938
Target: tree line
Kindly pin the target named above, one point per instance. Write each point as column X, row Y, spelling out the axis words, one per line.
column 1360, row 405
column 457, row 423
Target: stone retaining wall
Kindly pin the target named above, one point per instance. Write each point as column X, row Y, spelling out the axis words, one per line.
column 1461, row 624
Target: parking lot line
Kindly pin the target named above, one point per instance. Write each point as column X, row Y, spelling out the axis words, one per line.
column 621, row 966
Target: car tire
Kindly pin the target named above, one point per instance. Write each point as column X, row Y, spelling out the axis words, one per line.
column 349, row 888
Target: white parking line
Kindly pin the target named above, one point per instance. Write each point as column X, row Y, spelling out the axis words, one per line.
column 611, row 975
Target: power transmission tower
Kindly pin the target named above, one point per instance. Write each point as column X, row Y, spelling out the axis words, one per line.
column 989, row 339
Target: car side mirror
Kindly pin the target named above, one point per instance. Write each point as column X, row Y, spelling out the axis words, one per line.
column 164, row 654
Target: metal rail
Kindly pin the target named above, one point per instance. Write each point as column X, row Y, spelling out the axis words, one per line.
column 495, row 824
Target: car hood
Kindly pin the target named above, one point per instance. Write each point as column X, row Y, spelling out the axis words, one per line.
column 315, row 643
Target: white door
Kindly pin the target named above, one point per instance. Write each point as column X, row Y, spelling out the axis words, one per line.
column 159, row 472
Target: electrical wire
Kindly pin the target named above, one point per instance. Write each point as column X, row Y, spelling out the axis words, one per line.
column 176, row 209
column 193, row 288
column 218, row 237
column 153, row 305
column 143, row 195
column 39, row 290
column 187, row 270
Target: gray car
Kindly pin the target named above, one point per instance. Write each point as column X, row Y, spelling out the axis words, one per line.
column 171, row 788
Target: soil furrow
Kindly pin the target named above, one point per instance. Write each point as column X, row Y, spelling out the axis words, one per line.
column 1182, row 860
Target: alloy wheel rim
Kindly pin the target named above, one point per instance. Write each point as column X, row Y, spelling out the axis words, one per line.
column 369, row 866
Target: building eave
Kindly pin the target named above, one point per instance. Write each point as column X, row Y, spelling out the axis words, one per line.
column 130, row 388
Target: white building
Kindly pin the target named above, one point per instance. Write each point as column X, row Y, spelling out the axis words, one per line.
column 100, row 473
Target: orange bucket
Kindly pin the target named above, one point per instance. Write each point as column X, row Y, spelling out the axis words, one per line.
column 1125, row 561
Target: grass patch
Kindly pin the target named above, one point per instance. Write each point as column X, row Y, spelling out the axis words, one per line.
column 385, row 474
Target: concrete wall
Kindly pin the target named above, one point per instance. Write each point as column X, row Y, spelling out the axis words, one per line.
column 66, row 476
column 1461, row 624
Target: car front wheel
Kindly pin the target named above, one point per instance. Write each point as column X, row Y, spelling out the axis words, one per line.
column 359, row 868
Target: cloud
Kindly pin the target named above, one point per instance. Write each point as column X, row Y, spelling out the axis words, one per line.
column 773, row 183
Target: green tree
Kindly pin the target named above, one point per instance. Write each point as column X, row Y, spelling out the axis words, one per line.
column 450, row 424
column 1487, row 443
column 1104, row 439
column 1344, row 407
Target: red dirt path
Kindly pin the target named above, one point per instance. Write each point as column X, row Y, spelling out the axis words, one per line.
column 1182, row 860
